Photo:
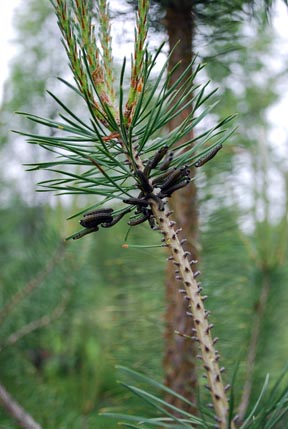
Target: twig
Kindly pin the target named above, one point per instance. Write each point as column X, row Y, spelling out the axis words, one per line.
column 36, row 324
column 16, row 411
column 33, row 284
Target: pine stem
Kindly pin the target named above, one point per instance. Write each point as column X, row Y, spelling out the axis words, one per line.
column 202, row 331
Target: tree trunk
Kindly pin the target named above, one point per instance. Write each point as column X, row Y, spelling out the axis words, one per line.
column 180, row 353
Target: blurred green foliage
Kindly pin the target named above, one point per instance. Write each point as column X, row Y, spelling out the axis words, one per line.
column 114, row 300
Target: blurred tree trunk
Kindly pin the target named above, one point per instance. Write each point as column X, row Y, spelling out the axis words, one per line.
column 180, row 353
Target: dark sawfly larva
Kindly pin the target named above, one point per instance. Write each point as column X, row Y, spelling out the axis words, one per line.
column 95, row 219
column 173, row 178
column 136, row 202
column 167, row 161
column 154, row 161
column 116, row 218
column 209, row 155
column 161, row 177
column 152, row 222
column 84, row 232
column 169, row 191
column 139, row 220
column 159, row 156
column 99, row 211
column 144, row 182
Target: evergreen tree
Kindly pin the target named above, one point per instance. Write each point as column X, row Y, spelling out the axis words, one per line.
column 236, row 243
column 189, row 24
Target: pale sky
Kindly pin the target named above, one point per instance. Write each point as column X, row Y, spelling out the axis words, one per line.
column 6, row 35
column 277, row 115
column 280, row 22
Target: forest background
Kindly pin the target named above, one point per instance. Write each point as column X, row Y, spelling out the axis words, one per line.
column 69, row 313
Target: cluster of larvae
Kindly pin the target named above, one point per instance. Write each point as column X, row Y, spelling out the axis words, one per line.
column 157, row 188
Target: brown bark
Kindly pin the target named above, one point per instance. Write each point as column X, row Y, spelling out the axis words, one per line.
column 180, row 353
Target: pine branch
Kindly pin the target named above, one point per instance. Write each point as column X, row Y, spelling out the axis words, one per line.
column 106, row 44
column 16, row 411
column 209, row 356
column 36, row 324
column 122, row 155
column 33, row 284
column 137, row 66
